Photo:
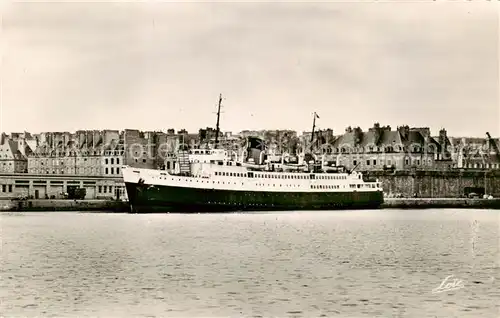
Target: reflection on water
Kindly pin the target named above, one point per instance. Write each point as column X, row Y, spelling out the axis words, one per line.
column 299, row 264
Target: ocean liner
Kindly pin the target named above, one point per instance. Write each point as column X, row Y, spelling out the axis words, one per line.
column 216, row 180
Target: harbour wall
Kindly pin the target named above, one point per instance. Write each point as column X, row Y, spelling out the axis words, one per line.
column 123, row 207
column 437, row 184
column 440, row 203
column 65, row 205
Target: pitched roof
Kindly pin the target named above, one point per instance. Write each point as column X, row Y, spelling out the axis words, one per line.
column 390, row 137
column 16, row 153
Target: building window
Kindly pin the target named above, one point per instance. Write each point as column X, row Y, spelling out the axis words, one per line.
column 374, row 162
column 106, row 171
column 112, row 161
column 106, row 161
column 99, row 189
column 117, row 170
column 117, row 161
column 10, row 187
column 354, row 162
column 112, row 170
column 4, row 188
column 143, row 160
column 367, row 162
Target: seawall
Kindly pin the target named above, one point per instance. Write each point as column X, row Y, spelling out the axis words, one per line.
column 123, row 207
column 64, row 205
column 440, row 203
column 438, row 184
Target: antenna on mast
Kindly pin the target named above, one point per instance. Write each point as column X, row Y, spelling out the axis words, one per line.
column 218, row 118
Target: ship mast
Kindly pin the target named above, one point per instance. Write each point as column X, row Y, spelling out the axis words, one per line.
column 314, row 126
column 217, row 126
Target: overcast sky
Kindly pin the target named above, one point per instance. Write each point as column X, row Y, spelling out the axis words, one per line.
column 154, row 66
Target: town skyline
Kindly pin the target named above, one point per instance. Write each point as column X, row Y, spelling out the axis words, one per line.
column 154, row 66
column 318, row 128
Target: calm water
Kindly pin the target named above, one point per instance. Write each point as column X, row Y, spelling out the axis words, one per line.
column 333, row 264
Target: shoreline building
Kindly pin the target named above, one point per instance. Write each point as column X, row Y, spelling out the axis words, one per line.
column 381, row 148
column 476, row 153
column 84, row 154
column 14, row 151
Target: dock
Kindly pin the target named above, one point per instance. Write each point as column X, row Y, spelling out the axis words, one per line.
column 440, row 203
column 64, row 205
column 123, row 206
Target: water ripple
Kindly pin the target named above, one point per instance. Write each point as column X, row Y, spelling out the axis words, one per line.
column 307, row 264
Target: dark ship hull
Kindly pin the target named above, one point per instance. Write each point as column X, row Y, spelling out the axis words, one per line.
column 145, row 198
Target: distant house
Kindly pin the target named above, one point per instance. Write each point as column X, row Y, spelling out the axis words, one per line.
column 90, row 153
column 13, row 154
column 382, row 148
column 476, row 153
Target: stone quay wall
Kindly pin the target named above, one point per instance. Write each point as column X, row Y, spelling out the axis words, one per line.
column 437, row 184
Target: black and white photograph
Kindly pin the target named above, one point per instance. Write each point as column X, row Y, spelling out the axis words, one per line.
column 216, row 159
